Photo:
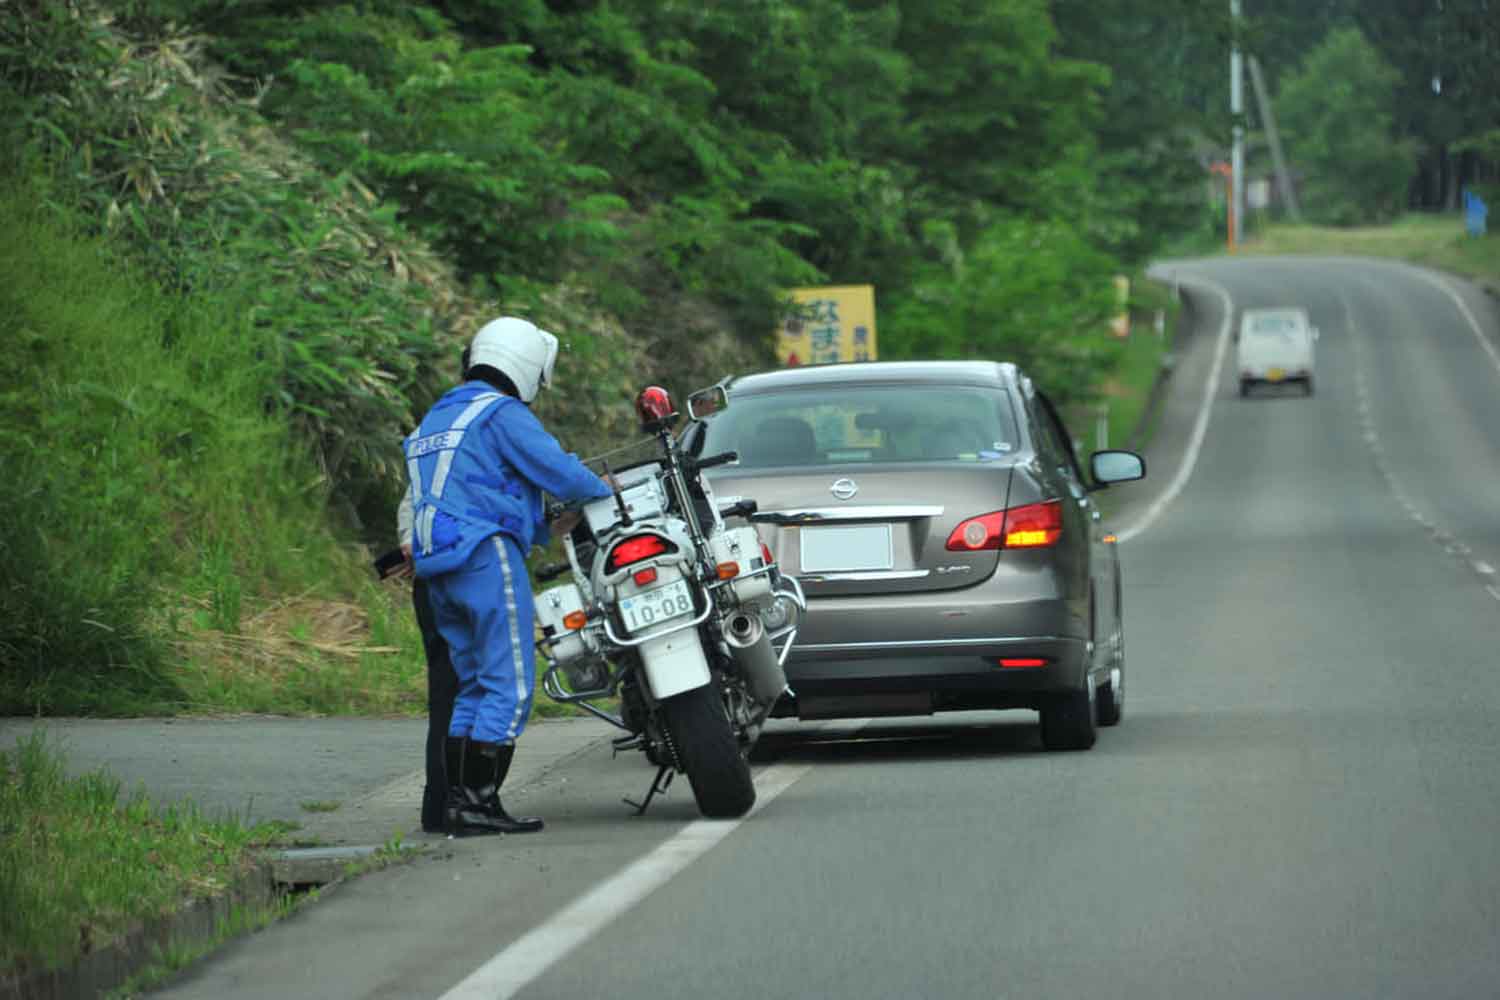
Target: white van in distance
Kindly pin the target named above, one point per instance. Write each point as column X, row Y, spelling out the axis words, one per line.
column 1275, row 346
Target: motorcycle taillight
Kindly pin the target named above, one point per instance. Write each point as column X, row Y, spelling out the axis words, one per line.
column 633, row 550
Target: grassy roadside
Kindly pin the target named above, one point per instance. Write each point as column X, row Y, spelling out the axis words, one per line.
column 1127, row 391
column 80, row 865
column 1437, row 241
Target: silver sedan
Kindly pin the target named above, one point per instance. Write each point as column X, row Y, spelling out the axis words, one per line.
column 948, row 541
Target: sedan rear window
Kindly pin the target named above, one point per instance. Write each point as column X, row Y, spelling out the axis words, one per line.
column 844, row 424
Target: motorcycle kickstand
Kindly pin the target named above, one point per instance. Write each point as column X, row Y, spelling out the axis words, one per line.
column 657, row 786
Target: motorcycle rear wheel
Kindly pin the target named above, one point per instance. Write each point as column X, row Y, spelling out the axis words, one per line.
column 709, row 752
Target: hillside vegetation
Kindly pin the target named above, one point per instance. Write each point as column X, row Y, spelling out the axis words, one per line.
column 251, row 239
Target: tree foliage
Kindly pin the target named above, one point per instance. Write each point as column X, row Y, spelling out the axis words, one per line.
column 652, row 175
column 1035, row 293
column 1339, row 128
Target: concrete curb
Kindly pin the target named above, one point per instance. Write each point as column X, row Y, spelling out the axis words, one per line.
column 389, row 810
column 1137, row 440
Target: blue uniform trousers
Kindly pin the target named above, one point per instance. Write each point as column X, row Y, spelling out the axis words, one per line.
column 484, row 612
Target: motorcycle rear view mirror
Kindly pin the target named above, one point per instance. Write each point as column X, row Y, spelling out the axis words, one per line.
column 706, row 402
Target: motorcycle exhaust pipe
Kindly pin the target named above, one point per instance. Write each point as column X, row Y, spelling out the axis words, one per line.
column 750, row 645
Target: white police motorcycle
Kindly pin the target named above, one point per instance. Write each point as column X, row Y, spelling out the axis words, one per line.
column 674, row 612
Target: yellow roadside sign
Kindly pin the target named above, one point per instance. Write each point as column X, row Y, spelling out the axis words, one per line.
column 834, row 323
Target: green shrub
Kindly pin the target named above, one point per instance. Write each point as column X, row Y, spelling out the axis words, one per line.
column 340, row 303
column 1032, row 293
column 140, row 464
column 1335, row 112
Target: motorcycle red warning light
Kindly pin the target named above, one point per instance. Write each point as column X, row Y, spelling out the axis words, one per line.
column 654, row 407
column 633, row 550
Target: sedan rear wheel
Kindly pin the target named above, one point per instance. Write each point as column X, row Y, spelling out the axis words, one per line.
column 1111, row 695
column 1068, row 720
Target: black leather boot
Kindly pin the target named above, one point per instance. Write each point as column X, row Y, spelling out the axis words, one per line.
column 434, row 801
column 485, row 766
column 453, row 799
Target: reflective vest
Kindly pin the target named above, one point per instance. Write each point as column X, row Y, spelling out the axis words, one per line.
column 462, row 490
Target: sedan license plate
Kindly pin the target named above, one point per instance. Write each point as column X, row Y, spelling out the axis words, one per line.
column 851, row 547
column 656, row 605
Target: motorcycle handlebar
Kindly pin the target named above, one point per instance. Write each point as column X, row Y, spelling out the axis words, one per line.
column 743, row 508
column 723, row 458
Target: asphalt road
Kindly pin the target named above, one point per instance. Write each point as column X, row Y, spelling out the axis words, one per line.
column 1303, row 799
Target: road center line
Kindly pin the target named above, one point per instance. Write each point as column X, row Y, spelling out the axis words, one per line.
column 536, row 951
column 1200, row 427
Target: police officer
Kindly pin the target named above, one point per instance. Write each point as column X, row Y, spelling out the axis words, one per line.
column 478, row 465
column 442, row 682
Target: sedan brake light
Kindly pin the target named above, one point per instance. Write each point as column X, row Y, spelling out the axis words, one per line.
column 1034, row 525
column 986, row 531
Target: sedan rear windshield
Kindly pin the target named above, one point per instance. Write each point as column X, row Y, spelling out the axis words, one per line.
column 840, row 425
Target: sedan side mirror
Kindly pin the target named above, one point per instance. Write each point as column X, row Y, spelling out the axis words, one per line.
column 1116, row 467
column 706, row 401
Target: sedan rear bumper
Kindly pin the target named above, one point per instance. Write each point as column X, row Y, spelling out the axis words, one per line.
column 943, row 675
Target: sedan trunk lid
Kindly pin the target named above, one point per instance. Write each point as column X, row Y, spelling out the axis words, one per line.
column 860, row 531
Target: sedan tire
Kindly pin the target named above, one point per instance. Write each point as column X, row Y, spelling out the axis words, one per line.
column 1068, row 720
column 1111, row 696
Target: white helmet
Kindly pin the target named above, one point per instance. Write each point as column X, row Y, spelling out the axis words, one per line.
column 519, row 349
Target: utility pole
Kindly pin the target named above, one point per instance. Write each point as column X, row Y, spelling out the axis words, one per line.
column 1268, row 118
column 1237, row 110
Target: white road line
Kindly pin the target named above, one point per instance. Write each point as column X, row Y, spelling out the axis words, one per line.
column 1463, row 307
column 1452, row 546
column 536, row 951
column 1200, row 428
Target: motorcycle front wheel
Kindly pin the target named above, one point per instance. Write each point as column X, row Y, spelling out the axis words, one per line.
column 709, row 752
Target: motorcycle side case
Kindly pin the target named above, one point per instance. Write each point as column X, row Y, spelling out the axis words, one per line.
column 674, row 663
column 552, row 606
column 742, row 545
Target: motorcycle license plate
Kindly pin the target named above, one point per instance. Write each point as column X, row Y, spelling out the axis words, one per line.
column 656, row 605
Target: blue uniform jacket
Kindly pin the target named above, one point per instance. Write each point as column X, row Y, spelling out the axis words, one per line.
column 478, row 464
